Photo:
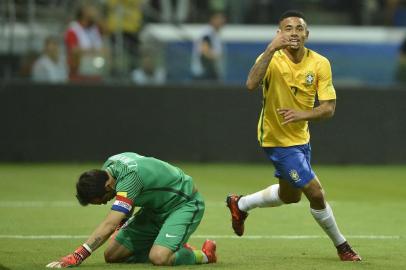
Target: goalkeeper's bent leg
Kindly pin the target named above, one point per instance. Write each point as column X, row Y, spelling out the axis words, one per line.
column 185, row 256
column 191, row 256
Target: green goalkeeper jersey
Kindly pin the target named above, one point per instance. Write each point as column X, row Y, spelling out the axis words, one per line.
column 147, row 182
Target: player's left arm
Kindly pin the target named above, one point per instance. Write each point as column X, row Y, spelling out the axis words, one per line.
column 105, row 229
column 327, row 99
column 97, row 238
column 325, row 110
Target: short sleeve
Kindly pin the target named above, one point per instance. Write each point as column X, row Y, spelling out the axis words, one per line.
column 128, row 185
column 259, row 57
column 325, row 88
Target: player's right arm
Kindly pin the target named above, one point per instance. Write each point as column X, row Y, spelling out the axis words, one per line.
column 98, row 237
column 105, row 229
column 258, row 70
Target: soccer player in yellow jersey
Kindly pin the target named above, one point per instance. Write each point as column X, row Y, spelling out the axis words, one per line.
column 291, row 76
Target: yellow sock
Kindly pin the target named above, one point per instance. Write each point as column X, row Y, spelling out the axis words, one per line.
column 200, row 257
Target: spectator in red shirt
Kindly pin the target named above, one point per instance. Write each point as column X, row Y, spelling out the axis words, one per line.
column 86, row 54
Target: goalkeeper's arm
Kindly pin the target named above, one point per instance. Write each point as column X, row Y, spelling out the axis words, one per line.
column 98, row 237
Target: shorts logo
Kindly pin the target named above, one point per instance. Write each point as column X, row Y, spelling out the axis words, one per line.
column 170, row 235
column 294, row 175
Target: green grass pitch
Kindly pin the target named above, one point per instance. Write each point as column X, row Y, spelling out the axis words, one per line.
column 369, row 203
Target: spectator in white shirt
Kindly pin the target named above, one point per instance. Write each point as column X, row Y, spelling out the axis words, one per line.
column 148, row 73
column 50, row 67
column 207, row 55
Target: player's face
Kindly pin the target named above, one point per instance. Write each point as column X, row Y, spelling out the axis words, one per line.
column 106, row 197
column 295, row 29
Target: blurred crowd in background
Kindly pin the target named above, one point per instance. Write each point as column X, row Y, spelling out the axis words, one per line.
column 59, row 41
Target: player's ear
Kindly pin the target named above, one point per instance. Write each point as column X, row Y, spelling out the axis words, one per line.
column 108, row 183
column 307, row 34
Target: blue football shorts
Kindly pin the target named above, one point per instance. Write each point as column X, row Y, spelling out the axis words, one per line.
column 292, row 163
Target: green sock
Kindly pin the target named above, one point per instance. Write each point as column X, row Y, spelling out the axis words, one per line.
column 200, row 258
column 184, row 256
column 188, row 257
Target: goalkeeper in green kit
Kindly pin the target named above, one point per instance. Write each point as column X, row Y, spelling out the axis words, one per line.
column 171, row 209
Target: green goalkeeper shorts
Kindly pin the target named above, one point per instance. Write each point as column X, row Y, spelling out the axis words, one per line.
column 172, row 230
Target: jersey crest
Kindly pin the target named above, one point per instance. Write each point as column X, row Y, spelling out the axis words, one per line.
column 309, row 78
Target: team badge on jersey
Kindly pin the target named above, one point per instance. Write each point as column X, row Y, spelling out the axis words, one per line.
column 122, row 204
column 294, row 175
column 309, row 78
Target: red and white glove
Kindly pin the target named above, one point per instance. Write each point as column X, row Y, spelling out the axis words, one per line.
column 74, row 259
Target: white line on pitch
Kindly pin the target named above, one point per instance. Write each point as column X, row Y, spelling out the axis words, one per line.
column 292, row 237
column 48, row 204
column 37, row 204
column 248, row 237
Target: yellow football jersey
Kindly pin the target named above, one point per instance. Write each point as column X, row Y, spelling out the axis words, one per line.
column 292, row 86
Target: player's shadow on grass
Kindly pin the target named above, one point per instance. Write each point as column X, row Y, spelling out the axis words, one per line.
column 2, row 267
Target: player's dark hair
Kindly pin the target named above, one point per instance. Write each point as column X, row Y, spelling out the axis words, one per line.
column 91, row 185
column 292, row 13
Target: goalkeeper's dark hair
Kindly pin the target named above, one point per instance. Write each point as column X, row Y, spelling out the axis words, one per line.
column 91, row 185
column 292, row 13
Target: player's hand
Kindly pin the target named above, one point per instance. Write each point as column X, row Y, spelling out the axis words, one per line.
column 290, row 115
column 281, row 41
column 70, row 260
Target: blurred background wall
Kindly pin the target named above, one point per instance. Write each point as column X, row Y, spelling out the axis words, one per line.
column 137, row 92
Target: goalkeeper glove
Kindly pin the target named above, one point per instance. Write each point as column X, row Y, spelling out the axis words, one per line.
column 74, row 259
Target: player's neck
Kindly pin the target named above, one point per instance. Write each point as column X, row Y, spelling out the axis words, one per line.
column 295, row 56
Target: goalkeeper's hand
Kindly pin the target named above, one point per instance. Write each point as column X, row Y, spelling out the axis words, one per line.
column 71, row 260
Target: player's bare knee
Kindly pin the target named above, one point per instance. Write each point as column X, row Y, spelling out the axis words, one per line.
column 290, row 199
column 317, row 200
column 318, row 196
column 159, row 259
column 296, row 199
column 109, row 257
